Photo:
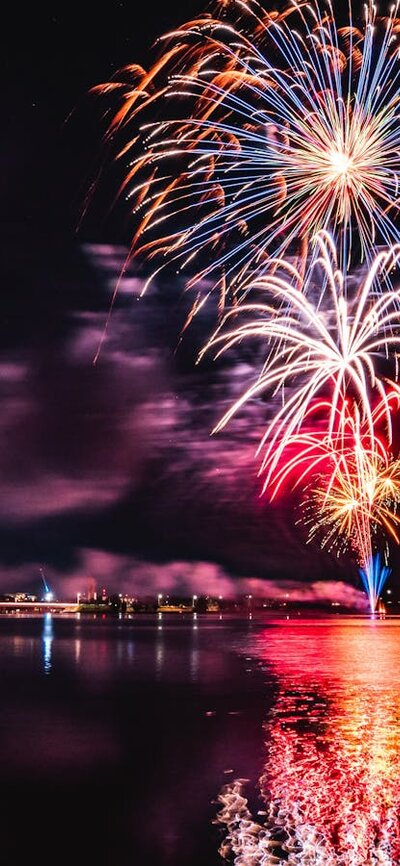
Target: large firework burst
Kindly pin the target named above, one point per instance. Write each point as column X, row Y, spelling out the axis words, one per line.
column 272, row 126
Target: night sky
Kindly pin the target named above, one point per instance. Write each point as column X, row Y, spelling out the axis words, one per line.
column 109, row 470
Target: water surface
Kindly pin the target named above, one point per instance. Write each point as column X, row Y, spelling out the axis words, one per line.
column 181, row 740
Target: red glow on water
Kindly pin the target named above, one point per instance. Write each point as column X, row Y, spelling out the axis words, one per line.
column 331, row 780
column 334, row 739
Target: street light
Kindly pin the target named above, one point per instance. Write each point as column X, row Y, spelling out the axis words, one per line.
column 194, row 600
column 159, row 598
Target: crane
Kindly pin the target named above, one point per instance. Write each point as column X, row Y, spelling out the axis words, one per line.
column 48, row 594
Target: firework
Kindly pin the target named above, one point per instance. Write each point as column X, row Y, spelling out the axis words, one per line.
column 272, row 127
column 346, row 510
column 350, row 482
column 363, row 492
column 374, row 576
column 272, row 168
column 340, row 349
column 330, row 347
column 353, row 497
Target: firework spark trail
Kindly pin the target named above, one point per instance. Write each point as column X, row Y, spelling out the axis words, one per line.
column 272, row 127
column 374, row 576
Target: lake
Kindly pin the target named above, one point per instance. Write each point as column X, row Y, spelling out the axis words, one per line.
column 179, row 741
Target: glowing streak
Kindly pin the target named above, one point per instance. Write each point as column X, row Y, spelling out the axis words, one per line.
column 374, row 576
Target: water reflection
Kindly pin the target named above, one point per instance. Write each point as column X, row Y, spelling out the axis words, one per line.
column 331, row 780
column 160, row 652
column 47, row 640
column 78, row 647
column 194, row 654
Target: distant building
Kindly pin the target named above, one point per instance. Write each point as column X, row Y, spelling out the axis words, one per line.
column 212, row 605
column 18, row 597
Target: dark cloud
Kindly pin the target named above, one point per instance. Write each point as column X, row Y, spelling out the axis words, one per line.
column 72, row 436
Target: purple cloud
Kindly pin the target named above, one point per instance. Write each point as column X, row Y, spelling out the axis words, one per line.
column 127, row 574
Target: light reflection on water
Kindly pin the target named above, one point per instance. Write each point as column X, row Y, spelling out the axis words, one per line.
column 47, row 640
column 331, row 779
